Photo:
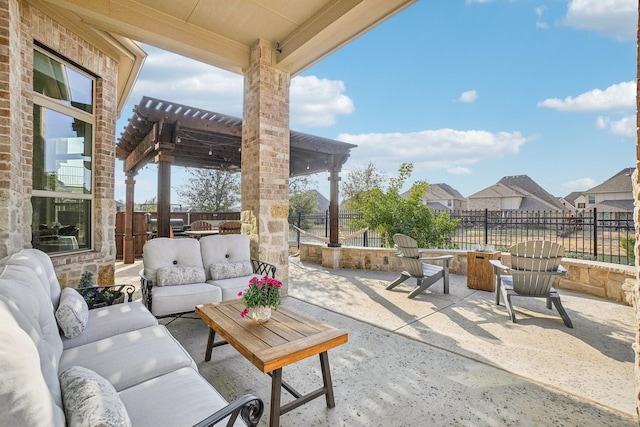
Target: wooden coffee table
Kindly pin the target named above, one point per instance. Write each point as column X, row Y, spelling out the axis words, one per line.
column 285, row 339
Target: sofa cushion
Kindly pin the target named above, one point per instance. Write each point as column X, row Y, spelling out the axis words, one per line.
column 130, row 358
column 182, row 299
column 170, row 276
column 26, row 398
column 105, row 322
column 72, row 313
column 90, row 400
column 229, row 270
column 190, row 397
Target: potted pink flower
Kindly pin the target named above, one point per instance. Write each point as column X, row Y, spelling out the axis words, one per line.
column 262, row 295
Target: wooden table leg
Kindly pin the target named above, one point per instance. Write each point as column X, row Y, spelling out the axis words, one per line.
column 326, row 378
column 212, row 335
column 276, row 394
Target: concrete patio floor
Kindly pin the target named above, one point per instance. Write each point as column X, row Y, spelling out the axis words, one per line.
column 440, row 359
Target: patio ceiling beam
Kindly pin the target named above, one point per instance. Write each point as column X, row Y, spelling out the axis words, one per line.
column 315, row 25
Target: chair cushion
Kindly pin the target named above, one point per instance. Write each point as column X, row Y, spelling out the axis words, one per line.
column 72, row 313
column 182, row 299
column 229, row 270
column 170, row 276
column 231, row 287
column 165, row 252
column 90, row 400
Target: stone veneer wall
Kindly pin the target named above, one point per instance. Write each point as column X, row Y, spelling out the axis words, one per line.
column 604, row 280
column 24, row 23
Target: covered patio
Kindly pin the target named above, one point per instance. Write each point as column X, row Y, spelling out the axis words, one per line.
column 439, row 359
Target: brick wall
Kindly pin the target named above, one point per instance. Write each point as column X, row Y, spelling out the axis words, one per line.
column 24, row 24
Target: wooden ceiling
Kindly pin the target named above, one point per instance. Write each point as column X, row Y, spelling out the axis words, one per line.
column 204, row 139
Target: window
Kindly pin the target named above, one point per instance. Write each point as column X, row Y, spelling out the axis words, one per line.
column 581, row 206
column 63, row 123
column 592, row 199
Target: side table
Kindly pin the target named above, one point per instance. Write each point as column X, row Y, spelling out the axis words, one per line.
column 479, row 270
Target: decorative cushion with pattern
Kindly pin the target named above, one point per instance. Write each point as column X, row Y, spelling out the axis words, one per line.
column 90, row 400
column 229, row 270
column 170, row 276
column 72, row 313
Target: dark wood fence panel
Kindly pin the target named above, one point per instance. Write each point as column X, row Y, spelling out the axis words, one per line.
column 141, row 227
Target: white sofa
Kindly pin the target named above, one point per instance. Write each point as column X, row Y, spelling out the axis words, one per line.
column 117, row 357
column 179, row 274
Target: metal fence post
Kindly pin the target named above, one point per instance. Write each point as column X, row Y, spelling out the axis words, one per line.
column 486, row 227
column 595, row 232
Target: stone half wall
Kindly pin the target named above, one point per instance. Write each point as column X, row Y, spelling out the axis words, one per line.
column 611, row 281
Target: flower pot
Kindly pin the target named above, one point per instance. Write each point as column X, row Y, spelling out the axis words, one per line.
column 260, row 314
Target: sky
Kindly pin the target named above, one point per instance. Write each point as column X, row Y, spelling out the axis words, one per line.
column 469, row 91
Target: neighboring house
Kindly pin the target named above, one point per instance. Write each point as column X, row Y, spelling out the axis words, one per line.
column 517, row 192
column 443, row 197
column 613, row 200
column 573, row 199
column 616, row 193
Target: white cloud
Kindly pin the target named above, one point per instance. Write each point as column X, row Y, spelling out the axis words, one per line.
column 618, row 97
column 613, row 18
column 317, row 102
column 625, row 127
column 581, row 184
column 313, row 101
column 539, row 11
column 468, row 96
column 171, row 77
column 477, row 1
column 447, row 149
column 459, row 170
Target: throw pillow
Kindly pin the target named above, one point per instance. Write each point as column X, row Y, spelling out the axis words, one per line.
column 229, row 270
column 90, row 400
column 72, row 313
column 170, row 276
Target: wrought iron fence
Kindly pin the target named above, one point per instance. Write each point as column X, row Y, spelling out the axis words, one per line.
column 594, row 235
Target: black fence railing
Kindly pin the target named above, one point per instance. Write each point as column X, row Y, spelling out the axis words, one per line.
column 593, row 235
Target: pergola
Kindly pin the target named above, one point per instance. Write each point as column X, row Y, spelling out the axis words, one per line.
column 173, row 134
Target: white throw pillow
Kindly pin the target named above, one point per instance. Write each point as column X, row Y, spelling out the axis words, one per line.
column 90, row 400
column 170, row 276
column 230, row 270
column 72, row 313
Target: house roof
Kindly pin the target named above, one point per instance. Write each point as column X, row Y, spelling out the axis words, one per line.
column 221, row 33
column 442, row 191
column 206, row 139
column 533, row 196
column 619, row 183
column 571, row 197
column 615, row 205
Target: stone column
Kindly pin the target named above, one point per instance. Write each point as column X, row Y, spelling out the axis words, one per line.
column 128, row 241
column 265, row 159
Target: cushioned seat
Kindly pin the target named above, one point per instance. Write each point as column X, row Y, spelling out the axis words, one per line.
column 154, row 350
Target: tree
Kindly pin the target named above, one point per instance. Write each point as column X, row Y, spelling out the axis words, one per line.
column 389, row 213
column 359, row 181
column 302, row 200
column 211, row 189
column 150, row 205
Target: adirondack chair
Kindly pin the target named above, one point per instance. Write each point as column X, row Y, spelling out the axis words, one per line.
column 414, row 262
column 534, row 268
column 230, row 227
